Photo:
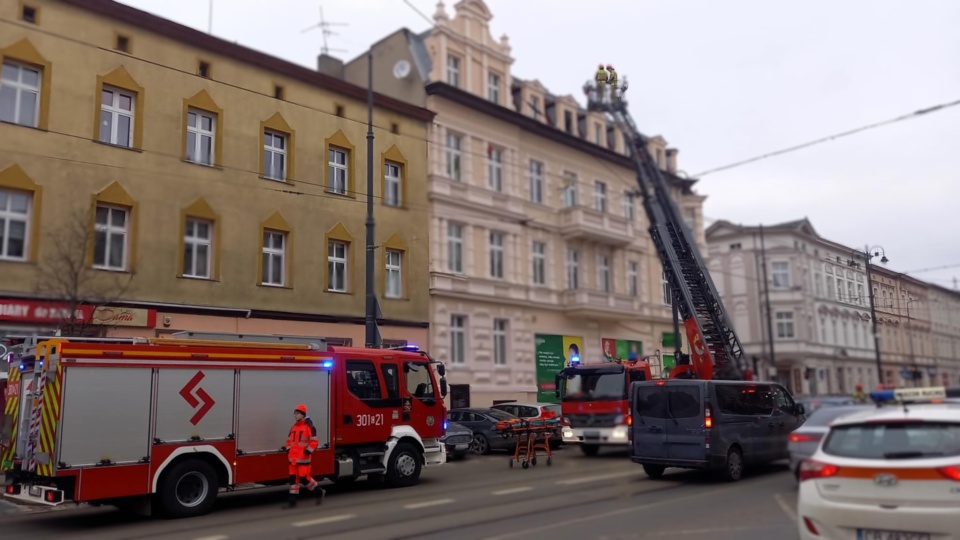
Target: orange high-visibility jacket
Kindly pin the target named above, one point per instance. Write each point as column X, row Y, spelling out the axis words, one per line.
column 302, row 441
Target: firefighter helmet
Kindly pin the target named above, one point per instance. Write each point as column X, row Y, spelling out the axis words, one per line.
column 302, row 409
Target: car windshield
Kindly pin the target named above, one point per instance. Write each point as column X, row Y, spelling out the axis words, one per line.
column 826, row 414
column 497, row 414
column 594, row 386
column 894, row 440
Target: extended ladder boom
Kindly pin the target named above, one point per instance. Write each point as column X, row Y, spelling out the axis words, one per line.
column 716, row 352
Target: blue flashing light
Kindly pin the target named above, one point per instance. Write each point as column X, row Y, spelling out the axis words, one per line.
column 22, row 367
column 574, row 360
column 445, row 424
column 410, row 347
column 327, row 364
column 882, row 395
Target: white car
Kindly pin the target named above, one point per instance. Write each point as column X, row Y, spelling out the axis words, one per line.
column 888, row 474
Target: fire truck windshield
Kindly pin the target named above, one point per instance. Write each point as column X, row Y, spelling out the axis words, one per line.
column 594, row 386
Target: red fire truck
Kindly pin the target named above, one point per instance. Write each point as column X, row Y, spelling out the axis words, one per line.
column 595, row 402
column 163, row 424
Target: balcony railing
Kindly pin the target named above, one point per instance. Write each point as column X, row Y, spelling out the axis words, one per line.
column 579, row 222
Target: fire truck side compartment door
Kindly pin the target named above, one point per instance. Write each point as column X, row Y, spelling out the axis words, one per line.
column 267, row 400
column 105, row 415
column 194, row 402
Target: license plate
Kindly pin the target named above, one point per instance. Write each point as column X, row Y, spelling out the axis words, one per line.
column 461, row 446
column 35, row 491
column 591, row 434
column 869, row 534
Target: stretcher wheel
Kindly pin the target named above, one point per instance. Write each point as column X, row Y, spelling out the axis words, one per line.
column 525, row 464
column 533, row 461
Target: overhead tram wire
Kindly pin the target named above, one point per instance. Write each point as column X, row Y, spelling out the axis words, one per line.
column 910, row 116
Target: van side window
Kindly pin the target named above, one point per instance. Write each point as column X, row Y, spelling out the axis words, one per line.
column 783, row 401
column 732, row 401
column 362, row 380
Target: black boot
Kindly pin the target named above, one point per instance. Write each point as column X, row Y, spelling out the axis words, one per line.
column 320, row 493
column 291, row 502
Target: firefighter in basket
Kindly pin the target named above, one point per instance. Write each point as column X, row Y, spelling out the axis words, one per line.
column 301, row 443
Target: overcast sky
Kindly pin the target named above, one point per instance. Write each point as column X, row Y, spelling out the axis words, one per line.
column 723, row 81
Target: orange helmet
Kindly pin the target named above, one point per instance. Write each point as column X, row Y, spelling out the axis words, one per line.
column 302, row 409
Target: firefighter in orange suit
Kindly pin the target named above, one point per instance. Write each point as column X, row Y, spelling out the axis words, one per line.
column 300, row 445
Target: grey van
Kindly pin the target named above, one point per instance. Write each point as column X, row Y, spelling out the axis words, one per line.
column 696, row 424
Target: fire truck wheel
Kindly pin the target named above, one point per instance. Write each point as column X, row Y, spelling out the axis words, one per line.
column 404, row 467
column 188, row 489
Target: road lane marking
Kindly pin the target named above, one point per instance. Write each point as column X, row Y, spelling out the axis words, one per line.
column 219, row 537
column 426, row 504
column 594, row 517
column 588, row 479
column 321, row 521
column 512, row 491
column 786, row 507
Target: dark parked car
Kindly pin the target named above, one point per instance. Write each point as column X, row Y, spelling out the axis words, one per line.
column 811, row 404
column 483, row 423
column 805, row 440
column 457, row 439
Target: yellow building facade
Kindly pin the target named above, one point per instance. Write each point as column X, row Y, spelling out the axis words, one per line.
column 193, row 184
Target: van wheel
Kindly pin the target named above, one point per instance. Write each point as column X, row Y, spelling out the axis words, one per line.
column 733, row 467
column 590, row 449
column 188, row 489
column 404, row 467
column 655, row 472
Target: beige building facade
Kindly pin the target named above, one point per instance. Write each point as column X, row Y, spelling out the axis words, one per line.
column 193, row 184
column 819, row 316
column 537, row 233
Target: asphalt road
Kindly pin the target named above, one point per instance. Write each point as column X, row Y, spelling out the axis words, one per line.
column 603, row 498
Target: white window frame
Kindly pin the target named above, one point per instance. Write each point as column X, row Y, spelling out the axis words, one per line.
column 785, row 324
column 194, row 154
column 632, row 273
column 603, row 273
column 272, row 152
column 818, row 284
column 667, row 289
column 780, row 274
column 539, row 261
column 334, row 167
column 455, row 157
column 337, row 266
column 629, row 210
column 458, row 339
column 536, row 181
column 497, row 263
column 20, row 88
column 600, row 196
column 860, row 299
column 195, row 243
column 569, row 190
column 573, row 269
column 493, row 87
column 393, row 184
column 495, row 169
column 111, row 230
column 455, row 248
column 266, row 278
column 394, row 273
column 453, row 70
column 7, row 216
column 501, row 329
column 115, row 112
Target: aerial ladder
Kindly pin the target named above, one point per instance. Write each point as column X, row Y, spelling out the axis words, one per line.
column 715, row 350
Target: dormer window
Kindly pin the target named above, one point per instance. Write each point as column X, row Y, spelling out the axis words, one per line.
column 534, row 105
column 493, row 87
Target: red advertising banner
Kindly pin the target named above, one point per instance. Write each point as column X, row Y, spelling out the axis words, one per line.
column 39, row 311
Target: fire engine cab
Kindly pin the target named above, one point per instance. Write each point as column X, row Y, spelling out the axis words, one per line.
column 164, row 424
column 595, row 404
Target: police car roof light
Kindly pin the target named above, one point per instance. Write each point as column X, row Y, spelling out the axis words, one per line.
column 914, row 395
column 326, row 364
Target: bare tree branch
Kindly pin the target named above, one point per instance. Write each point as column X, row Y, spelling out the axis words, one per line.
column 66, row 275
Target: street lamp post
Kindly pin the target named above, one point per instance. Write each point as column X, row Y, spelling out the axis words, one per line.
column 913, row 360
column 867, row 255
column 372, row 337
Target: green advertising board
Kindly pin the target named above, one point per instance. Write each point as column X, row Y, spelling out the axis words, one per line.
column 553, row 353
column 621, row 349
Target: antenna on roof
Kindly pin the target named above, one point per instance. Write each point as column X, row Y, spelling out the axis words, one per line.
column 324, row 27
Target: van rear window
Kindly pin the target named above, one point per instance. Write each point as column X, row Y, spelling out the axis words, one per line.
column 668, row 401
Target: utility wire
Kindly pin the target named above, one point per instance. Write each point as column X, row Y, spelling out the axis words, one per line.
column 909, row 116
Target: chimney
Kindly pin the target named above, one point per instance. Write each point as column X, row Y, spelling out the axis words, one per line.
column 672, row 160
column 331, row 66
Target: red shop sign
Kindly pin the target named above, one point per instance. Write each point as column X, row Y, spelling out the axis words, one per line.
column 33, row 311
